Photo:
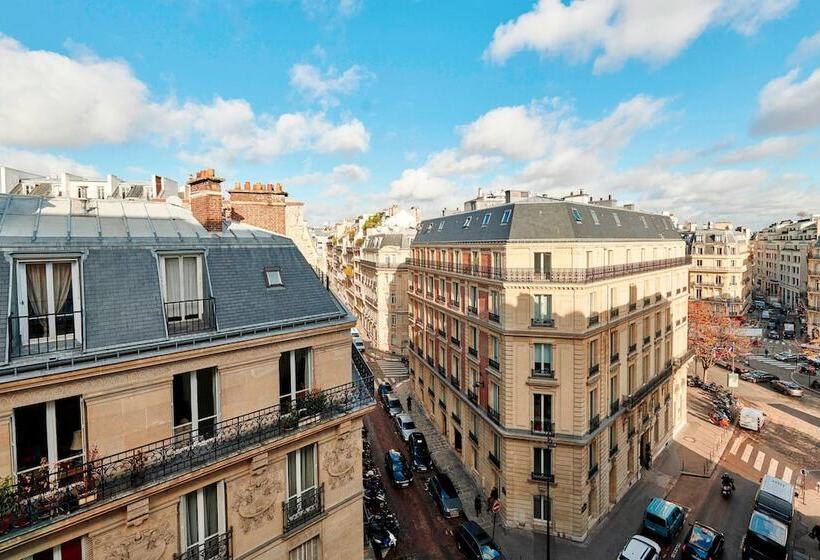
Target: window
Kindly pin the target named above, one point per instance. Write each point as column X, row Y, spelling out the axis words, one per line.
column 195, row 405
column 50, row 301
column 593, row 403
column 48, row 432
column 473, row 297
column 309, row 550
column 302, row 489
column 486, row 219
column 593, row 455
column 576, row 215
column 467, row 222
column 595, row 217
column 273, row 278
column 542, row 461
column 613, row 437
column 495, row 348
column 542, row 309
column 505, row 217
column 542, row 263
column 643, row 221
column 542, row 363
column 497, row 446
column 617, row 219
column 593, row 352
column 473, row 381
column 542, row 413
column 494, row 305
column 456, row 293
column 441, row 225
column 202, row 516
column 494, row 396
column 182, row 280
column 295, row 376
column 614, row 391
column 540, row 508
column 69, row 550
column 474, row 338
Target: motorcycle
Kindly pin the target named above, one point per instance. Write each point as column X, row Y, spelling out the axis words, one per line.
column 727, row 486
column 380, row 537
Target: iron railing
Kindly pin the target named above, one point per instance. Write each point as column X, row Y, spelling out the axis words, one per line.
column 556, row 275
column 218, row 547
column 190, row 316
column 494, row 415
column 30, row 335
column 541, row 426
column 543, row 371
column 494, row 459
column 594, row 423
column 302, row 508
column 46, row 494
column 493, row 364
column 495, row 317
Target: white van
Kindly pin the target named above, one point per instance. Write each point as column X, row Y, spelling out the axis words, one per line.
column 751, row 419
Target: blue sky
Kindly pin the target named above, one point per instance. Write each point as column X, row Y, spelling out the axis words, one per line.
column 706, row 108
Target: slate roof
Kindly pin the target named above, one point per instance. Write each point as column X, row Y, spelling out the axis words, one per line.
column 546, row 219
column 119, row 243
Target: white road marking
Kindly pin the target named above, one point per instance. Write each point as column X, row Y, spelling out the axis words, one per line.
column 759, row 460
column 746, row 454
column 787, row 474
column 773, row 468
column 736, row 446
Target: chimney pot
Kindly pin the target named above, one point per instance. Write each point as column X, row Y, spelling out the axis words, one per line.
column 247, row 185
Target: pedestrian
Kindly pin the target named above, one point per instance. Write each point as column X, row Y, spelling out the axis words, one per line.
column 409, row 404
column 815, row 534
column 477, row 505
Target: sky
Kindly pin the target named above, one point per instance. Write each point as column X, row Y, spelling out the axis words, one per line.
column 709, row 109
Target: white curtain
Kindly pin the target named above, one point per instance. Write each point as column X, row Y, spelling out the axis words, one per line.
column 62, row 284
column 37, row 290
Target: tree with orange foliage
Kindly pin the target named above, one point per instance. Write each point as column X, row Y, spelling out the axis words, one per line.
column 713, row 335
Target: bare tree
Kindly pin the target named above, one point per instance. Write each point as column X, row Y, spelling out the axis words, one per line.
column 713, row 335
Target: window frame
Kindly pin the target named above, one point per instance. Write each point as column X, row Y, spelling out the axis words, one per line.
column 273, row 269
column 301, row 490
column 51, row 312
column 195, row 422
column 201, row 506
column 51, row 437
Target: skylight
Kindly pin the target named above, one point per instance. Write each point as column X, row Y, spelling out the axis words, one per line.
column 467, row 221
column 595, row 217
column 617, row 219
column 505, row 217
column 486, row 219
column 441, row 225
column 273, row 278
column 576, row 215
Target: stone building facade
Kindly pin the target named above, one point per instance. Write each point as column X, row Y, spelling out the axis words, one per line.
column 551, row 321
column 169, row 391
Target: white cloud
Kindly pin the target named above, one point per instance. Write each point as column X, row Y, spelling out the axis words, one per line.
column 775, row 147
column 350, row 173
column 614, row 31
column 418, row 184
column 335, row 190
column 44, row 163
column 787, row 104
column 806, row 49
column 450, row 162
column 326, row 87
column 617, row 129
column 49, row 99
column 518, row 132
column 344, row 174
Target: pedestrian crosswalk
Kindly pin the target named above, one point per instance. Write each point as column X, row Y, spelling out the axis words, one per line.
column 393, row 370
column 777, row 363
column 761, row 463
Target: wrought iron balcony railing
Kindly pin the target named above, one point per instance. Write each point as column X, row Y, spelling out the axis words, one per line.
column 614, row 407
column 494, row 415
column 30, row 335
column 542, row 322
column 190, row 316
column 218, row 547
column 495, row 317
column 300, row 509
column 541, row 426
column 593, row 369
column 542, row 477
column 493, row 363
column 494, row 459
column 472, row 396
column 473, row 437
column 541, row 370
column 594, row 423
column 47, row 494
column 594, row 319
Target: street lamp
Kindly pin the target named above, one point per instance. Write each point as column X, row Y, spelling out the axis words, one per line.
column 550, row 478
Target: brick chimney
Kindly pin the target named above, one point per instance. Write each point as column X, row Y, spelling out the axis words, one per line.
column 260, row 205
column 206, row 199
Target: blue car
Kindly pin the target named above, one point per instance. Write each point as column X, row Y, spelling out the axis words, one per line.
column 663, row 518
column 397, row 469
column 444, row 493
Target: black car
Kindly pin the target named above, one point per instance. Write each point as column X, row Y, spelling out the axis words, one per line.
column 384, row 390
column 759, row 376
column 420, row 458
column 702, row 542
column 475, row 543
column 444, row 493
column 397, row 470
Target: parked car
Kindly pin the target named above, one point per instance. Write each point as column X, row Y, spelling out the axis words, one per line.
column 773, row 335
column 759, row 376
column 640, row 548
column 444, row 493
column 475, row 543
column 787, row 357
column 663, row 518
column 420, row 459
column 702, row 542
column 789, row 388
column 775, row 498
column 392, row 404
column 397, row 469
column 404, row 425
column 384, row 389
column 359, row 344
column 738, row 366
column 766, row 539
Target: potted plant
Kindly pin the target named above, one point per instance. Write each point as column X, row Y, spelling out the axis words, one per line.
column 8, row 503
column 290, row 421
column 88, row 490
column 136, row 466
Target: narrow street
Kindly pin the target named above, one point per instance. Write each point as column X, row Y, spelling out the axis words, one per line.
column 425, row 534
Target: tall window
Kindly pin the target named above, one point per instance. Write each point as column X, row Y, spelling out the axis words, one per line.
column 49, row 302
column 494, row 397
column 494, row 303
column 69, row 550
column 182, row 287
column 473, row 297
column 542, row 413
column 48, row 433
column 542, row 461
column 474, row 338
column 593, row 352
column 593, row 403
column 302, row 488
column 456, row 293
column 542, row 309
column 540, row 508
column 495, row 348
column 614, row 391
column 472, row 379
column 614, row 343
column 203, row 519
column 310, row 550
column 456, row 329
column 542, row 263
column 542, row 354
column 496, row 446
column 195, row 405
column 295, row 376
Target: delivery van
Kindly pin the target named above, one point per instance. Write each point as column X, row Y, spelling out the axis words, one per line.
column 751, row 419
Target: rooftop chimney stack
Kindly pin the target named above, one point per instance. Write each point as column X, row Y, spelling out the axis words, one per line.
column 206, row 199
column 259, row 204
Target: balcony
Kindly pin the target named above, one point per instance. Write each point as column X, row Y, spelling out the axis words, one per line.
column 646, row 301
column 31, row 335
column 493, row 363
column 302, row 508
column 442, row 333
column 494, row 317
column 441, row 371
column 430, row 361
column 633, row 306
column 614, row 407
column 594, row 319
column 47, row 495
column 549, row 478
column 191, row 316
column 494, row 415
column 494, row 460
column 543, row 371
column 431, row 392
column 454, row 381
column 594, row 423
column 472, row 309
column 633, row 348
column 668, row 328
column 658, row 297
column 456, row 418
column 594, row 369
column 614, row 312
column 473, row 437
column 472, row 352
column 455, row 341
column 473, row 398
column 631, row 400
column 613, row 450
column 219, row 547
column 541, row 426
column 441, row 299
column 613, row 358
column 542, row 322
column 646, row 339
column 658, row 334
column 442, row 404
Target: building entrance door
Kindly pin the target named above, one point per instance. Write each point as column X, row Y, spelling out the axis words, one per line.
column 646, row 450
column 613, row 483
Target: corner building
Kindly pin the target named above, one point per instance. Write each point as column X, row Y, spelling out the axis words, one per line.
column 169, row 390
column 551, row 317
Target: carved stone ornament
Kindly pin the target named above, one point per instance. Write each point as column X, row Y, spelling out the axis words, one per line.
column 253, row 502
column 147, row 543
column 340, row 460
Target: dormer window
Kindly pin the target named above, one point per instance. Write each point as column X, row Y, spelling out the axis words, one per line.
column 49, row 308
column 187, row 309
